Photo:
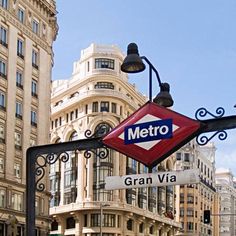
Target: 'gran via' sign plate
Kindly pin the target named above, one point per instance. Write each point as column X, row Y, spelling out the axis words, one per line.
column 151, row 134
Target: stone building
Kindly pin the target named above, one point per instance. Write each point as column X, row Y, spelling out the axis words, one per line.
column 225, row 186
column 97, row 93
column 193, row 199
column 27, row 31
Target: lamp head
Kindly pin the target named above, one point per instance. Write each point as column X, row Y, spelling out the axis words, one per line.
column 133, row 62
column 164, row 98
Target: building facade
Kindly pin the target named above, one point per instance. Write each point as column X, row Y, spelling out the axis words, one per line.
column 27, row 31
column 225, row 186
column 99, row 93
column 193, row 199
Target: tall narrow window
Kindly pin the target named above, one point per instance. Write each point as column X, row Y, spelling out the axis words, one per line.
column 2, row 100
column 35, row 26
column 2, row 197
column 17, row 201
column 95, row 107
column 3, row 36
column 18, row 141
column 3, row 69
column 35, row 59
column 19, row 110
column 34, row 88
column 20, row 48
column 33, row 118
column 2, row 133
column 17, row 169
column 21, row 15
column 19, row 79
column 4, row 3
column 113, row 107
column 104, row 106
column 102, row 167
column 1, row 164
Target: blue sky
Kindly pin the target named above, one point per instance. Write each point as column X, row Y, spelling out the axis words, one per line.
column 192, row 44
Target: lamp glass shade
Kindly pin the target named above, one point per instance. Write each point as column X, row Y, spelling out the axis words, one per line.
column 133, row 62
column 164, row 98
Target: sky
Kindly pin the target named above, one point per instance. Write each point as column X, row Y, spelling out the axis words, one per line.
column 192, row 44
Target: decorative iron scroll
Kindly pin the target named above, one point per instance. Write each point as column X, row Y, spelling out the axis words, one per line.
column 49, row 159
column 42, row 161
column 101, row 153
column 100, row 131
column 203, row 139
column 202, row 112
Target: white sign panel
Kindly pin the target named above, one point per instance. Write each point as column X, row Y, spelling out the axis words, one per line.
column 190, row 176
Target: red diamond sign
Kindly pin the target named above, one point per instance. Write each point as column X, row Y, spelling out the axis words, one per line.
column 151, row 134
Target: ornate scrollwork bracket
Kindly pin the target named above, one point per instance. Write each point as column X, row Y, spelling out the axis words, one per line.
column 43, row 160
column 101, row 130
column 203, row 139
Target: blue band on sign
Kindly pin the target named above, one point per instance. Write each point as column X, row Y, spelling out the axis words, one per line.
column 148, row 131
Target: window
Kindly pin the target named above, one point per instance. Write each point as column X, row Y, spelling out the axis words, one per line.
column 104, row 63
column 141, row 228
column 178, row 156
column 70, row 223
column 108, row 220
column 2, row 133
column 130, row 224
column 113, row 108
column 18, row 140
column 95, row 220
column 2, row 100
column 21, row 15
column 33, row 118
column 17, row 201
column 19, row 79
column 3, row 36
column 186, row 157
column 34, row 88
column 18, row 110
column 1, row 164
column 4, row 3
column 17, row 170
column 2, row 197
column 104, row 85
column 54, row 225
column 104, row 106
column 181, row 212
column 3, row 69
column 95, row 107
column 151, row 229
column 190, row 226
column 35, row 59
column 35, row 26
column 20, row 48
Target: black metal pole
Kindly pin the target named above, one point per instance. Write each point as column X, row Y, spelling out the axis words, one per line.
column 30, row 193
column 31, row 157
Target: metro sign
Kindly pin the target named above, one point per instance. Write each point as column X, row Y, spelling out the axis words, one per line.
column 152, row 133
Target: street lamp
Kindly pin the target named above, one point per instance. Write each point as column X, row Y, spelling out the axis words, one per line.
column 133, row 63
column 101, row 215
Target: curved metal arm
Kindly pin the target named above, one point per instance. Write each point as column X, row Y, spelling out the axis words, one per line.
column 151, row 68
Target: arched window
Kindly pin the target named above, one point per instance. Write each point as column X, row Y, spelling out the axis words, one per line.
column 70, row 174
column 55, row 179
column 102, row 167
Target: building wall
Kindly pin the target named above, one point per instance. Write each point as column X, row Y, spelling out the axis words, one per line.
column 98, row 92
column 26, row 26
column 225, row 186
column 193, row 199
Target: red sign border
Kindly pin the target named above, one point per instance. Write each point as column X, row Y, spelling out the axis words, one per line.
column 165, row 147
